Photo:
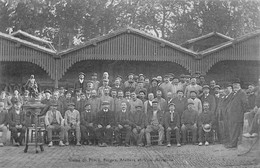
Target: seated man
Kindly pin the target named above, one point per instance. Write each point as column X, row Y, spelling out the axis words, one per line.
column 105, row 120
column 255, row 126
column 17, row 123
column 189, row 122
column 172, row 123
column 122, row 124
column 205, row 120
column 54, row 122
column 154, row 122
column 137, row 121
column 72, row 121
column 87, row 120
column 3, row 123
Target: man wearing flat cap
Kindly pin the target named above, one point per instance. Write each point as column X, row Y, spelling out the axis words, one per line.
column 154, row 122
column 235, row 110
column 81, row 82
column 172, row 124
column 193, row 86
column 54, row 122
column 102, row 88
column 95, row 81
column 180, row 103
column 189, row 122
column 87, row 126
column 105, row 122
column 72, row 121
column 137, row 120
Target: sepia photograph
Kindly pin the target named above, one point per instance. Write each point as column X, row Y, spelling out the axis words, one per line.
column 129, row 83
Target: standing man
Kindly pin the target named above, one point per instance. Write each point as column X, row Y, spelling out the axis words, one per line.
column 176, row 85
column 72, row 121
column 3, row 124
column 95, row 81
column 189, row 122
column 162, row 104
column 172, row 123
column 206, row 97
column 134, row 102
column 166, row 86
column 197, row 105
column 54, row 121
column 95, row 102
column 101, row 89
column 180, row 103
column 236, row 109
column 130, row 84
column 193, row 86
column 154, row 122
column 81, row 83
column 105, row 120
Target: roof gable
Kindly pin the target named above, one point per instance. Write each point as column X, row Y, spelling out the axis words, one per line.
column 122, row 31
column 207, row 41
column 36, row 40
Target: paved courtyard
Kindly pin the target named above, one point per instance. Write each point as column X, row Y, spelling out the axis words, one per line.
column 119, row 157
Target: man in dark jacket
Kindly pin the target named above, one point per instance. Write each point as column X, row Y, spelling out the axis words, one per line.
column 189, row 122
column 87, row 119
column 17, row 123
column 236, row 109
column 137, row 122
column 154, row 122
column 122, row 125
column 3, row 124
column 105, row 122
column 205, row 119
column 172, row 123
column 81, row 83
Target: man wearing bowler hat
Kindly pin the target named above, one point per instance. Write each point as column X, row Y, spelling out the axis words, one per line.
column 81, row 82
column 172, row 124
column 54, row 121
column 206, row 97
column 235, row 111
column 72, row 121
column 105, row 122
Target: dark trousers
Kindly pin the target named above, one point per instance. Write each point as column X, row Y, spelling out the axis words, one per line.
column 15, row 131
column 235, row 130
column 184, row 130
column 177, row 133
column 202, row 133
column 255, row 126
column 87, row 133
column 104, row 135
column 118, row 132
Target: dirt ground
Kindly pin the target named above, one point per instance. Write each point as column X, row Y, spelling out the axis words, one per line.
column 120, row 157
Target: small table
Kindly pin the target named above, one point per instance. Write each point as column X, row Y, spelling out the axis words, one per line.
column 33, row 109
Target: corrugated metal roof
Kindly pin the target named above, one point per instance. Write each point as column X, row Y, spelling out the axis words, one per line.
column 94, row 41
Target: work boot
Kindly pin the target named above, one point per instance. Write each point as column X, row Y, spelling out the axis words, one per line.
column 169, row 145
column 207, row 143
column 200, row 144
column 178, row 145
column 61, row 143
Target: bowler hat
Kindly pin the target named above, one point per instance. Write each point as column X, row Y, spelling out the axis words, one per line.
column 47, row 91
column 81, row 73
column 171, row 104
column 216, row 86
column 207, row 128
column 236, row 80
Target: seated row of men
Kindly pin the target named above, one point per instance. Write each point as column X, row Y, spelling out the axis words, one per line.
column 107, row 126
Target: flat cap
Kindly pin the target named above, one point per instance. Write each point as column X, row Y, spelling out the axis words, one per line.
column 105, row 103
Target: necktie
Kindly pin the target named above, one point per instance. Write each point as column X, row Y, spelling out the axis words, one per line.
column 171, row 115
